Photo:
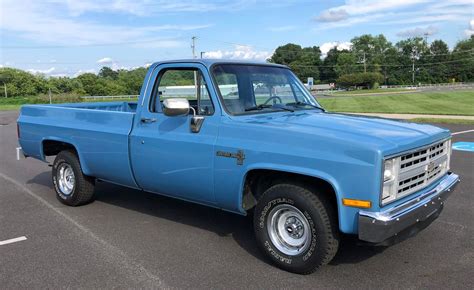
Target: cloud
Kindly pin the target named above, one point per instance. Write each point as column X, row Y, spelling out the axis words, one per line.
column 358, row 7
column 147, row 7
column 83, row 71
column 41, row 71
column 390, row 12
column 418, row 31
column 240, row 52
column 46, row 23
column 333, row 15
column 105, row 60
column 326, row 47
column 283, row 28
column 470, row 31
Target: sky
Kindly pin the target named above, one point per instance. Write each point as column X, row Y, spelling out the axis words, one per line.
column 69, row 37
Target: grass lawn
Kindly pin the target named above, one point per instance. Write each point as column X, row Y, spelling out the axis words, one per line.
column 436, row 103
column 6, row 107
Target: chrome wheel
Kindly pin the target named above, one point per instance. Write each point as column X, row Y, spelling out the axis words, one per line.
column 65, row 178
column 289, row 230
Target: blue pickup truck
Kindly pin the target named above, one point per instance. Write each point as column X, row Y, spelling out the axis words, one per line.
column 250, row 139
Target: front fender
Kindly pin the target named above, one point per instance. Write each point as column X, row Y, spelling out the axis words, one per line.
column 345, row 215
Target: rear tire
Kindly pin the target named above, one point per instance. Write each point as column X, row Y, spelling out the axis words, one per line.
column 296, row 228
column 72, row 187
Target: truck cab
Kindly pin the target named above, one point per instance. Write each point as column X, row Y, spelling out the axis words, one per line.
column 250, row 138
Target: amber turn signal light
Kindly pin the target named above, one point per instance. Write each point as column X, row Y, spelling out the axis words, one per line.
column 356, row 203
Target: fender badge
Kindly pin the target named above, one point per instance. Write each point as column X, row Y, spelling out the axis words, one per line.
column 240, row 156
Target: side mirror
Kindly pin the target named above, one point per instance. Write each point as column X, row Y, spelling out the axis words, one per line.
column 176, row 107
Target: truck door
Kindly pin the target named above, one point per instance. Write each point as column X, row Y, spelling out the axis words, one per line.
column 168, row 158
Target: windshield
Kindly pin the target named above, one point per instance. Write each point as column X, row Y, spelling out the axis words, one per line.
column 258, row 88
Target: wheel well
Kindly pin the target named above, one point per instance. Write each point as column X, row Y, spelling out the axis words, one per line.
column 259, row 180
column 52, row 147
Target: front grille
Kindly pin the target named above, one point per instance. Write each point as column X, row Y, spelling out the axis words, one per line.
column 420, row 168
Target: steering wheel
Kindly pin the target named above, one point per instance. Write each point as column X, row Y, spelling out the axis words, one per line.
column 273, row 98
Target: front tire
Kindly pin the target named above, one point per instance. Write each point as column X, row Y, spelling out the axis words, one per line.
column 296, row 228
column 72, row 187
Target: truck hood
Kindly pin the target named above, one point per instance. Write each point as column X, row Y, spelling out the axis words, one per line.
column 387, row 135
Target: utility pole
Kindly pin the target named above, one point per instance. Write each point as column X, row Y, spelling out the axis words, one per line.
column 202, row 53
column 365, row 63
column 363, row 60
column 413, row 57
column 193, row 45
column 49, row 93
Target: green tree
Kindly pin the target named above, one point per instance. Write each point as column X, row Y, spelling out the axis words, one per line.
column 437, row 64
column 328, row 72
column 308, row 64
column 346, row 64
column 21, row 83
column 286, row 54
column 371, row 50
column 107, row 72
column 132, row 80
column 462, row 61
column 304, row 62
column 412, row 50
column 367, row 80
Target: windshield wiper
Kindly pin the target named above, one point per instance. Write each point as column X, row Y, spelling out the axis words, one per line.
column 283, row 107
column 301, row 104
column 257, row 108
column 263, row 106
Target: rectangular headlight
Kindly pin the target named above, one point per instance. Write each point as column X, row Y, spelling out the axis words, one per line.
column 390, row 180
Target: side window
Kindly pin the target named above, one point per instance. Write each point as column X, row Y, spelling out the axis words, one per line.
column 183, row 83
column 228, row 86
column 229, row 89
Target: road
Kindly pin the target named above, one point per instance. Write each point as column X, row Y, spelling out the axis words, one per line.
column 132, row 239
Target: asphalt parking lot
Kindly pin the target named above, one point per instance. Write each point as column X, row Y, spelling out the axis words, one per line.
column 132, row 239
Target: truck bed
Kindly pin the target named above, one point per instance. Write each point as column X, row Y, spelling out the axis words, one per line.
column 99, row 132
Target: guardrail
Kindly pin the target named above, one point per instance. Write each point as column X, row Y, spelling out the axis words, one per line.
column 460, row 84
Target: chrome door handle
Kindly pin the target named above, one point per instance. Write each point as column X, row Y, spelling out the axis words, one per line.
column 148, row 120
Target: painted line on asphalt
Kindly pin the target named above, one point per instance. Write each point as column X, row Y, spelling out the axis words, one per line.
column 464, row 146
column 120, row 258
column 462, row 132
column 11, row 241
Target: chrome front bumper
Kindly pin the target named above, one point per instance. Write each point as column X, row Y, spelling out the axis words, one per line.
column 412, row 216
